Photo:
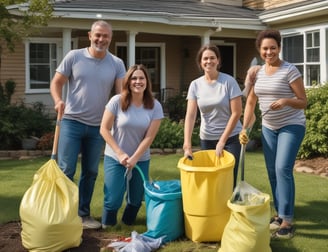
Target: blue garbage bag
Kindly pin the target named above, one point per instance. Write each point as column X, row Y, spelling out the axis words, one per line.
column 164, row 210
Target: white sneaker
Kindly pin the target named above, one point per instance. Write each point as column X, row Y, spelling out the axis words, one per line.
column 90, row 223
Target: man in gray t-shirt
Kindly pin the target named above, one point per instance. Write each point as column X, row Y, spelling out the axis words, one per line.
column 90, row 74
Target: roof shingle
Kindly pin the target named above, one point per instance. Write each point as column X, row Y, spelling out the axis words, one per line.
column 181, row 8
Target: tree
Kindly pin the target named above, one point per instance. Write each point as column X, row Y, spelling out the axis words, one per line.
column 16, row 26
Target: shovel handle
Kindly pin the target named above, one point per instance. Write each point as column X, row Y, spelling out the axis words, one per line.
column 242, row 162
column 242, row 155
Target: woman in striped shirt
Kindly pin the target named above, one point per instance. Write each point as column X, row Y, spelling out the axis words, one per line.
column 279, row 89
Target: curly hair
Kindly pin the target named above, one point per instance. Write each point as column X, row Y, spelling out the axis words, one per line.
column 273, row 34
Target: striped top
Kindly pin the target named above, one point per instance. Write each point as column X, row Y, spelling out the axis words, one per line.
column 276, row 86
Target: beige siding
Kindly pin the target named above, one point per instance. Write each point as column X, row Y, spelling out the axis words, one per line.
column 190, row 66
column 227, row 2
column 13, row 67
column 181, row 66
column 268, row 4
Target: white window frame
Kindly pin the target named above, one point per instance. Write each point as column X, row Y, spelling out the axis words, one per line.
column 323, row 33
column 58, row 43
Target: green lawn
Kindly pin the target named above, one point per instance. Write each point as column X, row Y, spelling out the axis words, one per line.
column 311, row 218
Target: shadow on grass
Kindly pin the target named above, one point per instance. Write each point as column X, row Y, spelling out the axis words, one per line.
column 311, row 225
column 9, row 208
column 312, row 220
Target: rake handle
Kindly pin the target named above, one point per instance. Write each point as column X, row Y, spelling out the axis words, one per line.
column 56, row 136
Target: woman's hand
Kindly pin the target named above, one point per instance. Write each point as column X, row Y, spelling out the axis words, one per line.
column 219, row 149
column 187, row 152
column 123, row 158
column 131, row 163
column 243, row 137
column 278, row 104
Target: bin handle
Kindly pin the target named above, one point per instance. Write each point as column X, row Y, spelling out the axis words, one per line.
column 141, row 173
column 143, row 177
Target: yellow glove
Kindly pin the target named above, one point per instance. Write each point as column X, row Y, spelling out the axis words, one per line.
column 243, row 137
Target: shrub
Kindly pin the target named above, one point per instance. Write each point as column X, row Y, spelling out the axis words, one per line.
column 315, row 142
column 176, row 107
column 46, row 141
column 171, row 135
column 18, row 121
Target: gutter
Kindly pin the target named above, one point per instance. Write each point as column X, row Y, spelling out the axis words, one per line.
column 152, row 17
column 298, row 12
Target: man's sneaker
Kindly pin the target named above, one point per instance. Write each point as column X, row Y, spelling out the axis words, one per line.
column 90, row 223
column 275, row 223
column 284, row 233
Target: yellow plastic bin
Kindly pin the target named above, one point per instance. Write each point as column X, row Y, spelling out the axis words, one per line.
column 206, row 186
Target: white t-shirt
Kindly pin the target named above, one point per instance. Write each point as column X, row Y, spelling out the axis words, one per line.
column 130, row 126
column 213, row 101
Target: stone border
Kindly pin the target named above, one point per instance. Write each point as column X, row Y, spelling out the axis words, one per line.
column 30, row 154
column 24, row 154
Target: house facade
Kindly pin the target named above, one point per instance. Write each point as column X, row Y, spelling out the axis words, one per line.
column 166, row 35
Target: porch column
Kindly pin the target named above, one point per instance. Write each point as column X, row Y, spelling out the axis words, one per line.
column 67, row 39
column 206, row 37
column 131, row 47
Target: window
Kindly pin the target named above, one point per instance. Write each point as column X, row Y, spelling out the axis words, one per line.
column 150, row 58
column 303, row 50
column 295, row 55
column 41, row 63
column 312, row 58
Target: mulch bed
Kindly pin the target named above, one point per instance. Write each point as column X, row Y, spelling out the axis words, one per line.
column 10, row 239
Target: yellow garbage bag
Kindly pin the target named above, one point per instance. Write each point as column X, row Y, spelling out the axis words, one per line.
column 49, row 212
column 248, row 227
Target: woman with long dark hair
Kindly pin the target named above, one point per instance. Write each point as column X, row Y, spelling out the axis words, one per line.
column 130, row 123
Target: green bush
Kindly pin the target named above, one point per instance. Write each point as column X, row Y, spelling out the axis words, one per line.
column 170, row 135
column 171, row 132
column 315, row 142
column 176, row 107
column 18, row 121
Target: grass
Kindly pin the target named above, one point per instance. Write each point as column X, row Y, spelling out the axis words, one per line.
column 311, row 219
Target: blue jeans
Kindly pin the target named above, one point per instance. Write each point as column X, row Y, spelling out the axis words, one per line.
column 115, row 186
column 280, row 149
column 232, row 145
column 76, row 138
